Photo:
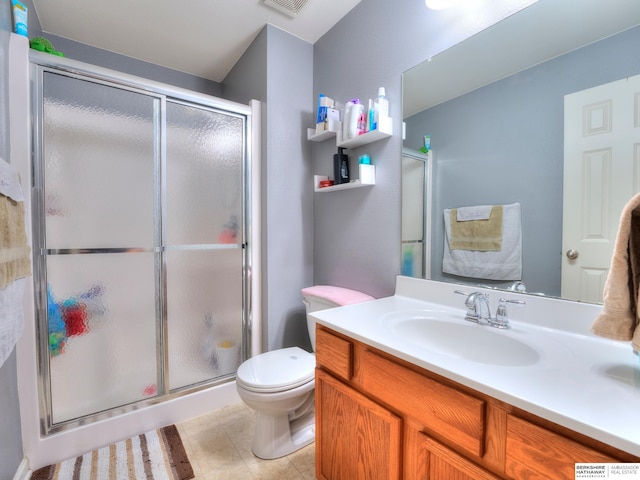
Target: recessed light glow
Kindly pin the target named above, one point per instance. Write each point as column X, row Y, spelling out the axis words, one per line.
column 440, row 4
column 485, row 4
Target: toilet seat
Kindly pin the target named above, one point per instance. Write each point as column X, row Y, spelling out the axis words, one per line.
column 277, row 370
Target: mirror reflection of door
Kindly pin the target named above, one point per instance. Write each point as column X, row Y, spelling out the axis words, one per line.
column 601, row 174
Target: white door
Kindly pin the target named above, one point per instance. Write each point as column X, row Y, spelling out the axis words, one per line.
column 601, row 174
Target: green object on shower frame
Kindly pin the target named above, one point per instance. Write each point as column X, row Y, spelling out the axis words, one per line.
column 427, row 144
column 44, row 45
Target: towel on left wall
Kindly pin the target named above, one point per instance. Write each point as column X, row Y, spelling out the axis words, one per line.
column 15, row 259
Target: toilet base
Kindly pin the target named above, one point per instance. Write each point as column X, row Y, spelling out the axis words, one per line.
column 277, row 436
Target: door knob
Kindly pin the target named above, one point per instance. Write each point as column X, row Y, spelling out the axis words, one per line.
column 572, row 254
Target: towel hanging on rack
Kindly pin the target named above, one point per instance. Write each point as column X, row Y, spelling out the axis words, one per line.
column 476, row 228
column 15, row 259
column 505, row 264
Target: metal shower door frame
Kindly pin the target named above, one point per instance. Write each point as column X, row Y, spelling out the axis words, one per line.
column 41, row 63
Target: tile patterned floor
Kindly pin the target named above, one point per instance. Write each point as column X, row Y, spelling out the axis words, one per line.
column 219, row 447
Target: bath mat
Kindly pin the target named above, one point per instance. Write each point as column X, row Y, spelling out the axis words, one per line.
column 155, row 455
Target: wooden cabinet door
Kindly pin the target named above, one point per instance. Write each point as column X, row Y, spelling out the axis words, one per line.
column 427, row 459
column 356, row 439
column 534, row 452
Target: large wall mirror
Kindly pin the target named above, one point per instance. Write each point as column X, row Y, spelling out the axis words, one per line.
column 538, row 115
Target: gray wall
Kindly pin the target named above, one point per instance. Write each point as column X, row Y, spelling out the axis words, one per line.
column 277, row 69
column 10, row 434
column 504, row 143
column 289, row 222
column 357, row 232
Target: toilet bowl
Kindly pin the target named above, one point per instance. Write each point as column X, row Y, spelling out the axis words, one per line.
column 279, row 385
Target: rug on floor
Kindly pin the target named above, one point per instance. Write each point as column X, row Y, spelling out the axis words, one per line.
column 155, row 455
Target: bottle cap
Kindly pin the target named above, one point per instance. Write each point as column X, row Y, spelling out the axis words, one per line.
column 364, row 159
column 381, row 92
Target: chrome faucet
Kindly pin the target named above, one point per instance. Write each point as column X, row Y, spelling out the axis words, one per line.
column 479, row 311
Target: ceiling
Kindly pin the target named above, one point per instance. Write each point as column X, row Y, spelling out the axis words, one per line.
column 199, row 37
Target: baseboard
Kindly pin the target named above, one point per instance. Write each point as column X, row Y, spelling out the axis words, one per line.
column 23, row 472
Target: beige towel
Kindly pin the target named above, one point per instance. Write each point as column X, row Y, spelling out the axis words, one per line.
column 619, row 317
column 503, row 265
column 14, row 251
column 480, row 235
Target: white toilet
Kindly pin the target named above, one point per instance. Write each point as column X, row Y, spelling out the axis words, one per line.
column 279, row 384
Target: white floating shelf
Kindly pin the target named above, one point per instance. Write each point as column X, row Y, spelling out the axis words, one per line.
column 384, row 130
column 343, row 186
column 319, row 137
column 334, row 127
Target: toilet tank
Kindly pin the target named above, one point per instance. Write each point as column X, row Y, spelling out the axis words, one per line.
column 321, row 297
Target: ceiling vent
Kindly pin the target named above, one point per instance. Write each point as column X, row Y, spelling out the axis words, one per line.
column 290, row 7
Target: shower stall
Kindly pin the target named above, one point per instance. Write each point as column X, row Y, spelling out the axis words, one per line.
column 143, row 245
column 417, row 178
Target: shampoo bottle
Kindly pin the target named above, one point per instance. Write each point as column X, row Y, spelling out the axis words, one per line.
column 362, row 122
column 380, row 106
column 355, row 111
column 345, row 119
column 340, row 167
column 371, row 117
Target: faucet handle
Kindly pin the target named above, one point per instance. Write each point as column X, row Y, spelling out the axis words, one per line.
column 469, row 301
column 517, row 302
column 502, row 314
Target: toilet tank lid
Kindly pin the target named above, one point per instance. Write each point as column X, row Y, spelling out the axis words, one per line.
column 338, row 295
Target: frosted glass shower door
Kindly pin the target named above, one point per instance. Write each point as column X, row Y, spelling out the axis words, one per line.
column 97, row 195
column 140, row 250
column 204, row 242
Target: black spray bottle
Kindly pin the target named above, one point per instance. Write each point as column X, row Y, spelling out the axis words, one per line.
column 340, row 167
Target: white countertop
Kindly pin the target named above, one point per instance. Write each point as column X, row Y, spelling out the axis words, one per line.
column 581, row 381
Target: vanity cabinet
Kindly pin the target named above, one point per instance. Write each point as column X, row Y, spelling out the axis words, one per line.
column 378, row 416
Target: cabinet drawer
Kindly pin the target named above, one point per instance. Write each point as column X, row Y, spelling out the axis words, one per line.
column 445, row 463
column 535, row 452
column 454, row 415
column 334, row 354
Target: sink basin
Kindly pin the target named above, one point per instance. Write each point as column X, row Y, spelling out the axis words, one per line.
column 444, row 333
